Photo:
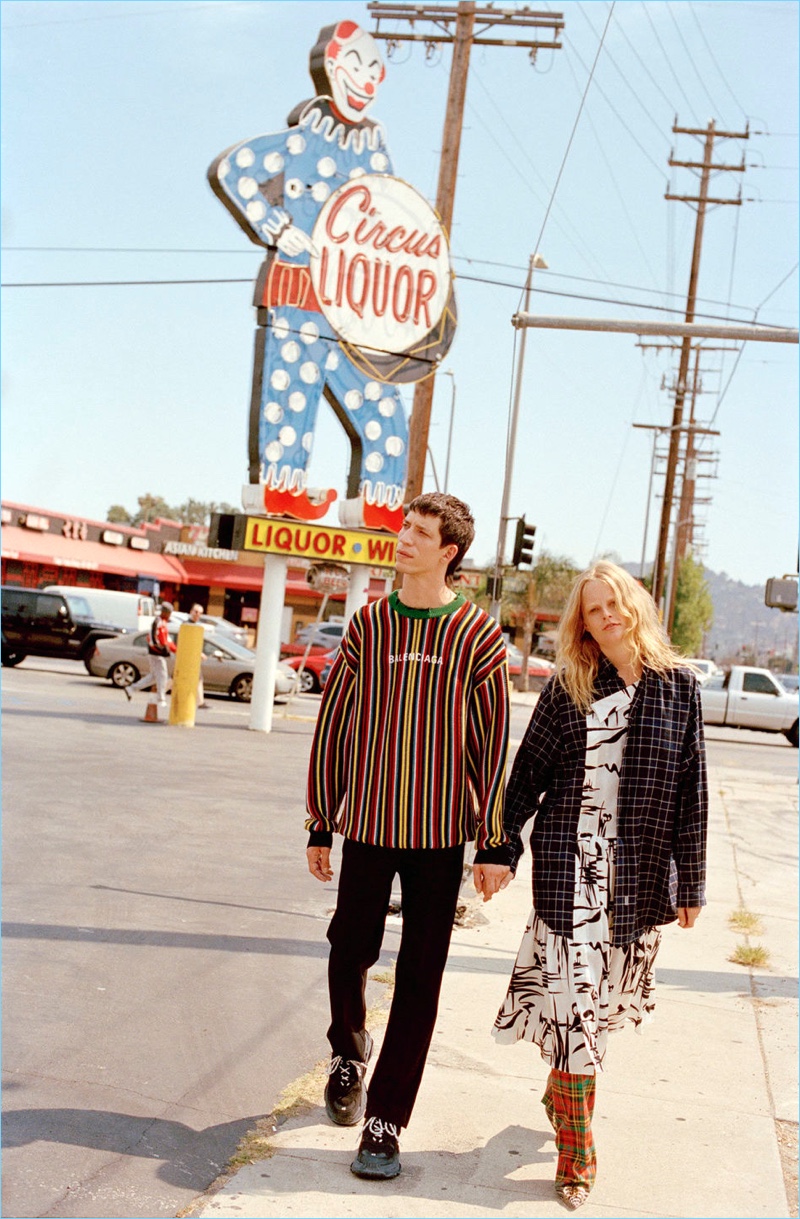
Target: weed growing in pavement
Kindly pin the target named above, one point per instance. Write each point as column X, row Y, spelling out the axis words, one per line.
column 745, row 922
column 747, row 954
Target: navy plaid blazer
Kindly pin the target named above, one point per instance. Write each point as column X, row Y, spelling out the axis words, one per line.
column 662, row 806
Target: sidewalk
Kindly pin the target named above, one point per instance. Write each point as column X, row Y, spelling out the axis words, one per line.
column 688, row 1115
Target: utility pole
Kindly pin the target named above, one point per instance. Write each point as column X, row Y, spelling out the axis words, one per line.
column 464, row 25
column 703, row 200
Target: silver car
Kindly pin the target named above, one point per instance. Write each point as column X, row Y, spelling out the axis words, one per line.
column 227, row 667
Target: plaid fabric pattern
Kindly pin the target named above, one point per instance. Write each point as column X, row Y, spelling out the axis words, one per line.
column 569, row 1104
column 662, row 805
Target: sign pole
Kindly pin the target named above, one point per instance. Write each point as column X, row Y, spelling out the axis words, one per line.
column 357, row 590
column 273, row 594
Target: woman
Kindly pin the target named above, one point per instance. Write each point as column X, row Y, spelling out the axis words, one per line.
column 612, row 769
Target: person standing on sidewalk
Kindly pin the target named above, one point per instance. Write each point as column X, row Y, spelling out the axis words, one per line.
column 408, row 764
column 159, row 647
column 612, row 770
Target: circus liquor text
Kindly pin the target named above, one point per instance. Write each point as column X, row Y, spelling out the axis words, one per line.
column 380, row 265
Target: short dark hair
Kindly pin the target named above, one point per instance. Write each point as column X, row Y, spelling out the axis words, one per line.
column 456, row 522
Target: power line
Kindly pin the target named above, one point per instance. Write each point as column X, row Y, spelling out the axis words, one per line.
column 484, row 262
column 685, row 46
column 714, row 61
column 645, row 9
column 496, row 283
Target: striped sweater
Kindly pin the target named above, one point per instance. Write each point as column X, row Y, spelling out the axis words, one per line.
column 412, row 736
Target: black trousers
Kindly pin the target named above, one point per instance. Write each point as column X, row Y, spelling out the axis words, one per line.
column 430, row 882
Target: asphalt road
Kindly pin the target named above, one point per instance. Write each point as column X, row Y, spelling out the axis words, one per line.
column 164, row 947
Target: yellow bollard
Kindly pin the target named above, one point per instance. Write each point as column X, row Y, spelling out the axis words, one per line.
column 188, row 658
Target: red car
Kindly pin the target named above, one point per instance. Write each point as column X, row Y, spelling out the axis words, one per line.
column 311, row 679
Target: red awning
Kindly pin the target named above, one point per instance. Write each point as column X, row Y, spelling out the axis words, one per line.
column 30, row 546
column 221, row 574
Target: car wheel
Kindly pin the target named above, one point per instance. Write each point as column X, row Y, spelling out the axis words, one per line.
column 793, row 735
column 10, row 658
column 242, row 688
column 123, row 674
column 308, row 682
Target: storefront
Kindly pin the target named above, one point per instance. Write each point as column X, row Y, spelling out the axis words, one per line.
column 40, row 547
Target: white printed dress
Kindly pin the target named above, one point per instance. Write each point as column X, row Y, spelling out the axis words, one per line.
column 568, row 992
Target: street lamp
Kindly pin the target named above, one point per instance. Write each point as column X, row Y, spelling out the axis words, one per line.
column 536, row 262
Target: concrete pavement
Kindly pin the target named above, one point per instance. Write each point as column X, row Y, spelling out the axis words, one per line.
column 690, row 1115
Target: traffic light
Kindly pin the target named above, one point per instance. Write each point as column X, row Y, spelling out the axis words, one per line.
column 523, row 544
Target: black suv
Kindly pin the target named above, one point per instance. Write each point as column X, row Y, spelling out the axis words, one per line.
column 46, row 624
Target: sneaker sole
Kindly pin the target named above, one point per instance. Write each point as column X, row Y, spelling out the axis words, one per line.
column 375, row 1174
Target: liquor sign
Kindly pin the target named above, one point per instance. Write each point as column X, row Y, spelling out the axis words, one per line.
column 380, row 265
column 271, row 536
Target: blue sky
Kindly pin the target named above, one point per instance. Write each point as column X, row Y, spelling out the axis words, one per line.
column 112, row 113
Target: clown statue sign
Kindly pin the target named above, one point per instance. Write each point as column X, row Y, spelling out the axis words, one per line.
column 354, row 297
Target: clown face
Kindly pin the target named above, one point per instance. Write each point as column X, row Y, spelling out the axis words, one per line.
column 354, row 69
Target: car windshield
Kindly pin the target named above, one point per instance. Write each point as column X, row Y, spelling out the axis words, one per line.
column 79, row 606
column 233, row 648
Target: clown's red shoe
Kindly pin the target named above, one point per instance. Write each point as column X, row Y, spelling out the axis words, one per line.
column 297, row 504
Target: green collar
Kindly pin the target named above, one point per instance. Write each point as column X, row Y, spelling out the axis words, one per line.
column 436, row 611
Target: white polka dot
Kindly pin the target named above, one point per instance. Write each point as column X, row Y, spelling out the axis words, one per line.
column 379, row 162
column 273, row 413
column 293, row 188
column 280, row 328
column 353, row 400
column 290, row 352
column 387, row 407
column 332, row 361
column 373, row 430
column 280, row 379
column 372, row 391
column 394, row 446
column 247, row 187
column 374, row 463
column 296, row 144
column 224, row 168
column 320, row 192
column 297, row 401
column 308, row 441
column 357, row 172
column 287, row 436
column 256, row 210
column 273, row 451
column 309, row 372
column 273, row 162
column 245, row 158
column 309, row 332
column 326, row 167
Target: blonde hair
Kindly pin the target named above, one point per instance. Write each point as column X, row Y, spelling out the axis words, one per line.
column 578, row 655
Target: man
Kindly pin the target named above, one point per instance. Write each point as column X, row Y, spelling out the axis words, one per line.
column 408, row 763
column 159, row 646
column 195, row 614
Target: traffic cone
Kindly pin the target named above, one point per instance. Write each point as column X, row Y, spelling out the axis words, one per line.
column 151, row 714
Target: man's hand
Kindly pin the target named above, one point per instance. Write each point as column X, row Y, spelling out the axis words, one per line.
column 490, row 878
column 687, row 915
column 319, row 862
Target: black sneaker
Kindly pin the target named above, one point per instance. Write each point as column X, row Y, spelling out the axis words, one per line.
column 378, row 1156
column 345, row 1094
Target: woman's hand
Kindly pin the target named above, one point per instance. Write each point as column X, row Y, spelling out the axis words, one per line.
column 490, row 878
column 687, row 915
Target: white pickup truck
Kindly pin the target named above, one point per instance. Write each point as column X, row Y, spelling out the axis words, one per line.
column 750, row 698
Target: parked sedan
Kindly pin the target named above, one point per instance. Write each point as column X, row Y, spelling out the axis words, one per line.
column 225, row 629
column 311, row 679
column 539, row 670
column 227, row 667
